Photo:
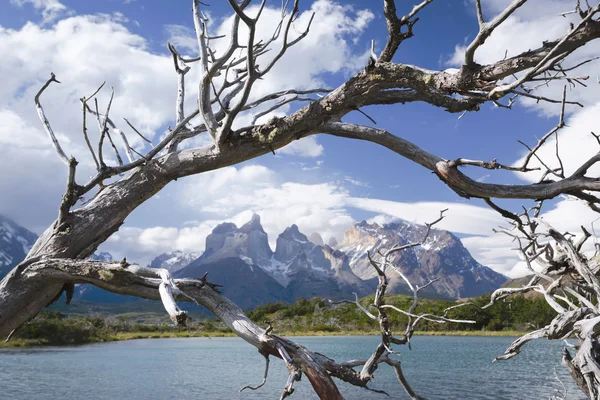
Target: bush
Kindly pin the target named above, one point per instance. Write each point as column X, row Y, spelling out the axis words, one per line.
column 321, row 327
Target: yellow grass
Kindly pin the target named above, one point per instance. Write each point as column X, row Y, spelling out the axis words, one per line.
column 186, row 334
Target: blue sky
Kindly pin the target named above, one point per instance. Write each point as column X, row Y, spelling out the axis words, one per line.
column 124, row 42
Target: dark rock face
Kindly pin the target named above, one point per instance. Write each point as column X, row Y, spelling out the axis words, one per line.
column 246, row 285
column 290, row 243
column 442, row 257
column 15, row 243
column 250, row 243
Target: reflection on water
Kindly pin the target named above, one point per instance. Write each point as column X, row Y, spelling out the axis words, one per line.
column 438, row 367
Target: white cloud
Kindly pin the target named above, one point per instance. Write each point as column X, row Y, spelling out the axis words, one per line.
column 526, row 29
column 73, row 49
column 496, row 251
column 85, row 50
column 234, row 193
column 142, row 245
column 356, row 182
column 51, row 9
column 460, row 218
column 576, row 145
column 182, row 37
column 305, row 147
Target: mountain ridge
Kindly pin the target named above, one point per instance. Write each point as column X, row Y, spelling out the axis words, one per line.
column 303, row 266
column 442, row 258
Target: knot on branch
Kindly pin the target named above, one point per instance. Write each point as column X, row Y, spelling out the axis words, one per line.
column 205, row 282
column 180, row 318
column 269, row 327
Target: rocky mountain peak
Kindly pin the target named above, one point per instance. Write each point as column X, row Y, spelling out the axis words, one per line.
column 291, row 243
column 316, row 239
column 362, row 232
column 252, row 225
column 249, row 242
column 441, row 257
column 174, row 261
column 224, row 227
column 332, row 242
column 293, row 232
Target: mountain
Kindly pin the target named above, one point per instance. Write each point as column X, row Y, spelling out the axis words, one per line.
column 242, row 260
column 15, row 243
column 315, row 238
column 232, row 258
column 102, row 256
column 246, row 285
column 173, row 261
column 442, row 257
column 253, row 274
column 308, row 270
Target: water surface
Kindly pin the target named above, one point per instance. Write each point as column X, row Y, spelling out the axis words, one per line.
column 438, row 367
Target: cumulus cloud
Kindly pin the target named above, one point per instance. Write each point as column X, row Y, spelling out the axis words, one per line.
column 86, row 50
column 142, row 245
column 50, row 9
column 305, row 147
column 74, row 49
column 526, row 29
column 235, row 193
column 576, row 145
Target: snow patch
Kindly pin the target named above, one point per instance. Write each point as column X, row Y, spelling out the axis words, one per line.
column 248, row 261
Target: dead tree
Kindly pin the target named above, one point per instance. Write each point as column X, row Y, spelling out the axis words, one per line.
column 57, row 261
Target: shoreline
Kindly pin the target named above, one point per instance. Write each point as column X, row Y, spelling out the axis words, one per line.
column 29, row 343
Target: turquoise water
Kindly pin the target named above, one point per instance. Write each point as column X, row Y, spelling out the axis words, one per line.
column 438, row 367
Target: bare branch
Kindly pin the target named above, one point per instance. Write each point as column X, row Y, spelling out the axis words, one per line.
column 70, row 197
column 485, row 30
column 395, row 25
column 46, row 123
column 503, row 89
column 85, row 109
column 264, row 376
column 204, row 101
column 138, row 132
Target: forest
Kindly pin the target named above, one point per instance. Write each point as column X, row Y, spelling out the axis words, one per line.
column 305, row 317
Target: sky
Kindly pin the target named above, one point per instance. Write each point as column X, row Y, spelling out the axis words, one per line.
column 323, row 184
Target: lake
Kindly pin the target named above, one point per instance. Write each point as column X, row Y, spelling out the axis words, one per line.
column 438, row 367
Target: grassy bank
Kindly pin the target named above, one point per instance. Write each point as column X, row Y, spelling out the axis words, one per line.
column 315, row 317
column 15, row 343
